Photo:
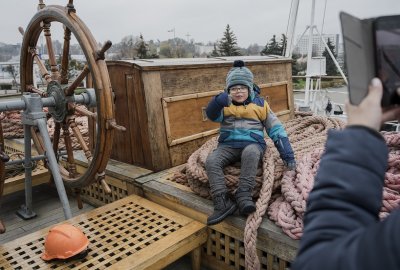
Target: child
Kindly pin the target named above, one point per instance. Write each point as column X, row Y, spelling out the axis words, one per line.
column 243, row 115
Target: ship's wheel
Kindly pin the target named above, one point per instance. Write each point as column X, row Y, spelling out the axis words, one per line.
column 66, row 117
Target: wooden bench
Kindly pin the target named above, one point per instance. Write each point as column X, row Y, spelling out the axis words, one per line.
column 132, row 233
column 225, row 247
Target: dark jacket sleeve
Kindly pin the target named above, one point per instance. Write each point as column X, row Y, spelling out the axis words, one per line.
column 214, row 110
column 277, row 133
column 341, row 226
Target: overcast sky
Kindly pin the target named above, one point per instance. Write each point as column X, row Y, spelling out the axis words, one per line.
column 252, row 21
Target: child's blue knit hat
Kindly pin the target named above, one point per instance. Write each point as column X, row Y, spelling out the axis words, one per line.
column 240, row 74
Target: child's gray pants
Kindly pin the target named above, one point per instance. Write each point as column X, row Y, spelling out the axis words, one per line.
column 222, row 156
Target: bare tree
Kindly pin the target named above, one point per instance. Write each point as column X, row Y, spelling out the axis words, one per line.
column 13, row 72
column 127, row 47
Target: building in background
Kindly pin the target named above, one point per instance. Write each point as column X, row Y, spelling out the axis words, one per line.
column 317, row 45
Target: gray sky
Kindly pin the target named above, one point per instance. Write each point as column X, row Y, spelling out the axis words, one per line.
column 252, row 21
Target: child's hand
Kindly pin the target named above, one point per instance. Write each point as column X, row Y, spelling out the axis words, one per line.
column 224, row 99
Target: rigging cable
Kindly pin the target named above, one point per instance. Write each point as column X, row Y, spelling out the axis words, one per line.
column 322, row 31
column 287, row 29
column 328, row 105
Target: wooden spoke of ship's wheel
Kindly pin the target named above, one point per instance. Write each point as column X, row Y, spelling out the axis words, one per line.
column 71, row 166
column 70, row 90
column 43, row 70
column 98, row 99
column 56, row 137
column 31, row 88
column 52, row 57
column 37, row 140
column 64, row 61
column 80, row 139
column 83, row 111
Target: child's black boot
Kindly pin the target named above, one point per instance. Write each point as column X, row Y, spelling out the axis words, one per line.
column 245, row 201
column 223, row 207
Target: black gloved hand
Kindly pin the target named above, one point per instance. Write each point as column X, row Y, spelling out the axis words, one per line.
column 224, row 99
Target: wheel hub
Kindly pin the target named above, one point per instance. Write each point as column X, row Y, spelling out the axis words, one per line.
column 59, row 111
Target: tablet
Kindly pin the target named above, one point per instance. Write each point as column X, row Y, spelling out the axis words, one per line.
column 359, row 55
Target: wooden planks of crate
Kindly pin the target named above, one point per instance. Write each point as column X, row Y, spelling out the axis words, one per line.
column 132, row 233
column 161, row 102
column 224, row 248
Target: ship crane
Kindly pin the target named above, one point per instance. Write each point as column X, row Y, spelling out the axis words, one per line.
column 315, row 66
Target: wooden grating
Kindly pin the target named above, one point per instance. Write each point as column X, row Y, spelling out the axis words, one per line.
column 96, row 195
column 131, row 233
column 228, row 253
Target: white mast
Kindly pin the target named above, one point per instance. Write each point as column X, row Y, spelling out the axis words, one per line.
column 309, row 56
column 291, row 27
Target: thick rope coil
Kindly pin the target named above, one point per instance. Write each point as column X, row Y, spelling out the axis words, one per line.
column 254, row 220
column 13, row 128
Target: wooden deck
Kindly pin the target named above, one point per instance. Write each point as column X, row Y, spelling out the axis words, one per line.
column 49, row 212
column 224, row 248
column 46, row 205
column 131, row 233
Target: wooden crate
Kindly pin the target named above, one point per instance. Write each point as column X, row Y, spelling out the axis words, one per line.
column 161, row 102
column 224, row 248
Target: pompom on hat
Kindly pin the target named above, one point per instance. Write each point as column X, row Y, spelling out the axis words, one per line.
column 239, row 74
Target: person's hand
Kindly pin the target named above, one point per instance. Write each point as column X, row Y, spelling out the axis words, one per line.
column 224, row 99
column 369, row 112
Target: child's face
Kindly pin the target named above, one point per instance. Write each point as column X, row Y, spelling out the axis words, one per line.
column 239, row 93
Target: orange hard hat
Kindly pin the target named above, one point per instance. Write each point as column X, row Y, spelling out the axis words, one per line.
column 64, row 241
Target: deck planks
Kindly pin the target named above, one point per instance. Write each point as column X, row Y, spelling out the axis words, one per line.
column 132, row 233
column 47, row 206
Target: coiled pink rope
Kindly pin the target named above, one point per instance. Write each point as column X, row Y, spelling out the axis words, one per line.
column 13, row 128
column 288, row 209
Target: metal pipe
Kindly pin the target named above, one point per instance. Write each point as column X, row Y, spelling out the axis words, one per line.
column 53, row 165
column 34, row 158
column 12, row 105
column 20, row 161
column 80, row 98
column 28, row 173
column 48, row 102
